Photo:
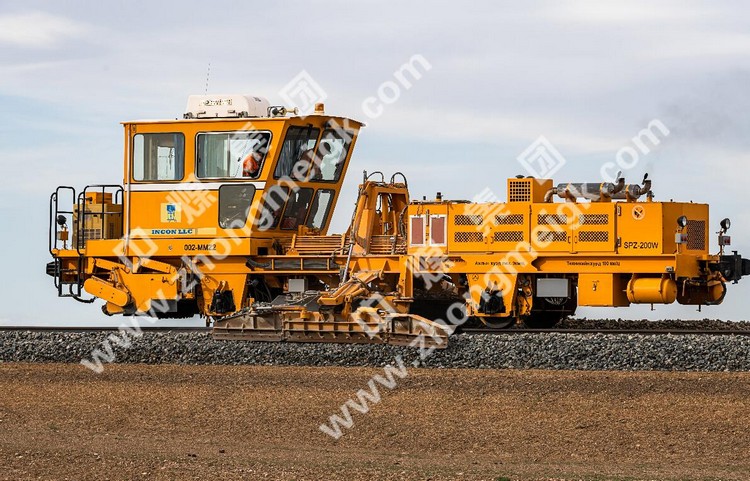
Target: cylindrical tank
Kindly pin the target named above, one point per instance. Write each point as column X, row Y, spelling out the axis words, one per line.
column 652, row 290
column 587, row 190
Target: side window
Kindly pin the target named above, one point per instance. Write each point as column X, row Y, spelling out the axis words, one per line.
column 274, row 200
column 329, row 159
column 234, row 205
column 320, row 209
column 416, row 230
column 295, row 212
column 437, row 230
column 158, row 157
column 297, row 149
column 232, row 154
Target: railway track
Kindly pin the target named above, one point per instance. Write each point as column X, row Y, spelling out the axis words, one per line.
column 672, row 348
column 484, row 331
column 676, row 331
column 101, row 329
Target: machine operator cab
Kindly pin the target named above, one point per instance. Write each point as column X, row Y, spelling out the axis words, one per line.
column 235, row 177
column 233, row 167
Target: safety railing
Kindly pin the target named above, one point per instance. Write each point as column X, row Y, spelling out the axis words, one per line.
column 83, row 233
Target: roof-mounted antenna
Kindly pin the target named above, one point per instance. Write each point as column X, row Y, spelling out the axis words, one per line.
column 208, row 76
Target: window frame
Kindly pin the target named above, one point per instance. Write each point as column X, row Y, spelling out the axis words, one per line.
column 424, row 233
column 343, row 160
column 152, row 181
column 314, row 148
column 444, row 230
column 307, row 211
column 329, row 208
column 263, row 201
column 225, row 132
column 249, row 207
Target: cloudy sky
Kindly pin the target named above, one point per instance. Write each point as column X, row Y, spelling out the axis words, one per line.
column 585, row 75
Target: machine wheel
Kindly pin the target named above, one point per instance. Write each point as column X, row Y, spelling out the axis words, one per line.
column 551, row 311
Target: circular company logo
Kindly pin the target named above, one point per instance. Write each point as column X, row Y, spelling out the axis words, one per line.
column 639, row 212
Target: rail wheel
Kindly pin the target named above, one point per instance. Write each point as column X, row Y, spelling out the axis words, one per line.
column 498, row 323
column 543, row 320
column 549, row 311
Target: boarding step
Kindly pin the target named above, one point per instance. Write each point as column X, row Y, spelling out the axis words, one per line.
column 317, row 245
column 387, row 245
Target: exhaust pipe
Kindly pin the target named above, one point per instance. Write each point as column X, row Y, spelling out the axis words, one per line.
column 604, row 191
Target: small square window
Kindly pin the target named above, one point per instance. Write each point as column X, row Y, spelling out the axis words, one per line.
column 158, row 157
column 416, row 231
column 437, row 230
column 234, row 205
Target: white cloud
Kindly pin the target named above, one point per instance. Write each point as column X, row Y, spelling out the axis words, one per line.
column 599, row 12
column 492, row 128
column 37, row 29
column 713, row 45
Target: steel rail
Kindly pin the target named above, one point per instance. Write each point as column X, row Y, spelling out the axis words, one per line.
column 103, row 329
column 482, row 331
column 677, row 331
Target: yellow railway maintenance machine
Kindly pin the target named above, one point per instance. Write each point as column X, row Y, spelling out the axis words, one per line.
column 224, row 214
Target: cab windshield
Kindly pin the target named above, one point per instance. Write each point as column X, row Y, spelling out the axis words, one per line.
column 296, row 153
column 330, row 156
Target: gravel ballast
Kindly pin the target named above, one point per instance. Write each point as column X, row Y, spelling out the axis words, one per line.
column 628, row 352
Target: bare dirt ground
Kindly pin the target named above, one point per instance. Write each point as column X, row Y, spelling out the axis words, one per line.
column 141, row 422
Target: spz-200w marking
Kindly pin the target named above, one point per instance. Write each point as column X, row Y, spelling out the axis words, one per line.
column 641, row 245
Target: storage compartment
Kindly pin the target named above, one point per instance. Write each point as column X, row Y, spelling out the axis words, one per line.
column 100, row 218
column 602, row 290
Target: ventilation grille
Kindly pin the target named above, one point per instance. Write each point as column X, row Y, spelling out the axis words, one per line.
column 696, row 235
column 464, row 219
column 519, row 191
column 510, row 219
column 593, row 236
column 593, row 219
column 552, row 219
column 509, row 236
column 468, row 237
column 89, row 234
column 551, row 236
column 92, row 234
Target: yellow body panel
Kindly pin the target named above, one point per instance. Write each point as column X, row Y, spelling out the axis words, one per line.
column 602, row 290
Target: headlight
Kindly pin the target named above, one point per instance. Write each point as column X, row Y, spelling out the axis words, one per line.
column 726, row 224
column 682, row 221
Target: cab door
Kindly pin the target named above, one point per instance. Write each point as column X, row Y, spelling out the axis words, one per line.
column 593, row 228
column 551, row 228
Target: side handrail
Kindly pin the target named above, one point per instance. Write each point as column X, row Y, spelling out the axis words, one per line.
column 54, row 212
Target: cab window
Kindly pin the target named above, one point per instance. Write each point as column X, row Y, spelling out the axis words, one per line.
column 330, row 156
column 232, row 154
column 158, row 157
column 296, row 151
column 296, row 209
column 320, row 209
column 321, row 206
column 274, row 200
column 234, row 204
